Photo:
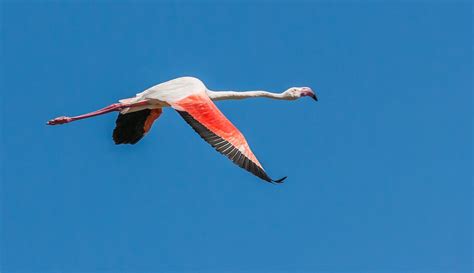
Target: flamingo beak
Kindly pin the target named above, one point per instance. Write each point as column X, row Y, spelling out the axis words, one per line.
column 310, row 93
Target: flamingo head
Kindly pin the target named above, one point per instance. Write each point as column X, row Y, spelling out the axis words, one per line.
column 294, row 93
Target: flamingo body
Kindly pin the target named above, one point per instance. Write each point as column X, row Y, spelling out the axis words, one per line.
column 167, row 93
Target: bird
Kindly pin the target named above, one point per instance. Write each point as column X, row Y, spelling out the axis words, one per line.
column 194, row 102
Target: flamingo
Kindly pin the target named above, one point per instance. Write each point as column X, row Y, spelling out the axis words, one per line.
column 194, row 102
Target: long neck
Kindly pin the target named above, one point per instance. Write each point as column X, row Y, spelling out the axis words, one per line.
column 234, row 95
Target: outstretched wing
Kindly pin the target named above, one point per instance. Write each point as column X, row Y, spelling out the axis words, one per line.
column 206, row 119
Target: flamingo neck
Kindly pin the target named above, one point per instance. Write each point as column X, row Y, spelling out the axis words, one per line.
column 235, row 95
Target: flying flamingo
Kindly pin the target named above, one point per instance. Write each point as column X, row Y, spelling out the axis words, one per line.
column 193, row 101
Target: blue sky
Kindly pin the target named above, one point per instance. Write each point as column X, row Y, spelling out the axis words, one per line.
column 379, row 170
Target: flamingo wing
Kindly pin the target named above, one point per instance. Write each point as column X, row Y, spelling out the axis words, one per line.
column 209, row 122
column 133, row 126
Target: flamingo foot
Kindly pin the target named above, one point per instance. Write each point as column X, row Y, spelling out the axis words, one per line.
column 59, row 120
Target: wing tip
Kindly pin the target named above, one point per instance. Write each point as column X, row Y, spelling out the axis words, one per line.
column 279, row 181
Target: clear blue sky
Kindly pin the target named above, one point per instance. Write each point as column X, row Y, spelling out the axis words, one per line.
column 379, row 170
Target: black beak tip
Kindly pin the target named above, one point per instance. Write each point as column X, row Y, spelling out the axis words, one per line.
column 314, row 97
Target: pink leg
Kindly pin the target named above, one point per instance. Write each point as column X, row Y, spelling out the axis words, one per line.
column 108, row 109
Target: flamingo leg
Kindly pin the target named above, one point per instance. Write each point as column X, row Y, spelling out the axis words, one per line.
column 105, row 110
